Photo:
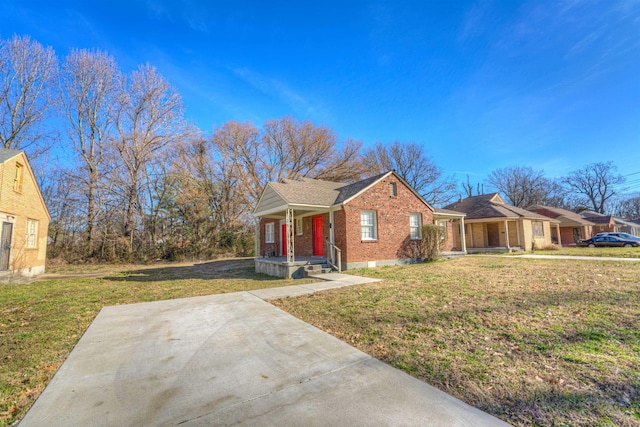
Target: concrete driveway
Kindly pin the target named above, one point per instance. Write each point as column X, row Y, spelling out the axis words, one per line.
column 231, row 359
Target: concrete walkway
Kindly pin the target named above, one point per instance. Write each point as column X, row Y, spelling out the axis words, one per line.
column 233, row 359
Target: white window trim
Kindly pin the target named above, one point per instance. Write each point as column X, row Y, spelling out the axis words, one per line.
column 443, row 224
column 269, row 233
column 298, row 226
column 417, row 227
column 32, row 233
column 374, row 226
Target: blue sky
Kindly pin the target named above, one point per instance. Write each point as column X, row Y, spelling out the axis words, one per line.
column 553, row 85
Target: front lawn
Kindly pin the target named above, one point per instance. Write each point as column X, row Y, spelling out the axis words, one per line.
column 534, row 342
column 42, row 321
column 604, row 252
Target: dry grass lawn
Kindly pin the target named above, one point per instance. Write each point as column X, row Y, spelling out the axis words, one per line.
column 534, row 342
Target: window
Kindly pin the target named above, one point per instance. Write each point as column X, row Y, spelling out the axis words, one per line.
column 32, row 233
column 538, row 230
column 368, row 225
column 415, row 226
column 269, row 235
column 393, row 189
column 299, row 226
column 443, row 224
column 17, row 181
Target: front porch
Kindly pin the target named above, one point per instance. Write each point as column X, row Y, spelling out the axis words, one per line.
column 278, row 266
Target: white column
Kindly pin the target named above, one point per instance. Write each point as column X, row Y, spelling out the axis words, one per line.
column 518, row 233
column 558, row 231
column 332, row 236
column 257, row 238
column 506, row 233
column 462, row 233
column 290, row 234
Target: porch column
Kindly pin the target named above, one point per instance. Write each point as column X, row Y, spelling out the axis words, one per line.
column 290, row 234
column 464, row 237
column 558, row 231
column 257, row 238
column 332, row 236
column 506, row 233
column 518, row 234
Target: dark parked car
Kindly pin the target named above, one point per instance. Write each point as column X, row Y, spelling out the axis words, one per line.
column 599, row 241
column 625, row 236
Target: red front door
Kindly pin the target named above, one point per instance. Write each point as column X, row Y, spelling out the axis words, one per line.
column 318, row 242
column 283, row 238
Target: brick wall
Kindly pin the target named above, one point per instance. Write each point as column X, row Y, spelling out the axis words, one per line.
column 393, row 240
column 18, row 207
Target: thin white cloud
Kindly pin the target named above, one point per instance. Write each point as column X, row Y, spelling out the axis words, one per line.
column 193, row 13
column 275, row 88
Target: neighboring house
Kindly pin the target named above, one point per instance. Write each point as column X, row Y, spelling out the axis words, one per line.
column 630, row 227
column 573, row 227
column 24, row 219
column 376, row 221
column 602, row 222
column 491, row 224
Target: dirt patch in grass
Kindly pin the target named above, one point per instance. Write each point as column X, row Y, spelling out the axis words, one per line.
column 40, row 322
column 533, row 342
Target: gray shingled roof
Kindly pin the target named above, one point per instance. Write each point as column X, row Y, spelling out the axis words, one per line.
column 350, row 190
column 6, row 154
column 491, row 206
column 307, row 191
column 316, row 192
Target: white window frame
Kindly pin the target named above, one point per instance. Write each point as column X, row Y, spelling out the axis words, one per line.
column 298, row 226
column 415, row 226
column 269, row 233
column 443, row 224
column 32, row 233
column 368, row 225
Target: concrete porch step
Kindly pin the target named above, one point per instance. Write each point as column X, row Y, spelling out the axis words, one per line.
column 315, row 269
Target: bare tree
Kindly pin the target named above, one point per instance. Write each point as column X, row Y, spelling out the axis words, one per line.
column 301, row 149
column 27, row 73
column 521, row 185
column 148, row 117
column 89, row 80
column 232, row 174
column 287, row 148
column 629, row 208
column 595, row 184
column 412, row 164
column 467, row 187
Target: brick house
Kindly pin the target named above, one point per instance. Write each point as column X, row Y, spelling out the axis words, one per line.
column 376, row 221
column 608, row 223
column 493, row 225
column 24, row 219
column 573, row 227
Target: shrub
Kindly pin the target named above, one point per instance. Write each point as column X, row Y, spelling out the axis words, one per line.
column 432, row 238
